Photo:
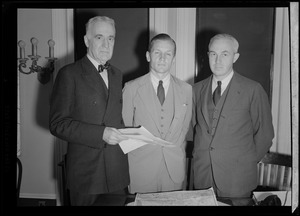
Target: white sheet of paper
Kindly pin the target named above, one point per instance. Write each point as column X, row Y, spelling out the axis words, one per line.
column 130, row 145
column 177, row 198
column 138, row 137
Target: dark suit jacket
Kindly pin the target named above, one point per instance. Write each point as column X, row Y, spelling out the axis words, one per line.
column 79, row 113
column 242, row 136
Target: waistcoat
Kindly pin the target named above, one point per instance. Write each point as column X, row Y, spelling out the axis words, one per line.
column 215, row 111
column 165, row 112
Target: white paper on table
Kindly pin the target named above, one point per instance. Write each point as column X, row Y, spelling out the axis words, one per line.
column 138, row 137
column 177, row 198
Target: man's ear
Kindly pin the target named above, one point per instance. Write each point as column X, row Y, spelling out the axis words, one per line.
column 148, row 56
column 173, row 61
column 235, row 57
column 86, row 41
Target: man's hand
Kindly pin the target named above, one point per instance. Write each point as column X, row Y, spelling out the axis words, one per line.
column 112, row 136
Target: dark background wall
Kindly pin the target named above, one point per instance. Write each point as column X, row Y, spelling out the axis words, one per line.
column 252, row 27
column 132, row 36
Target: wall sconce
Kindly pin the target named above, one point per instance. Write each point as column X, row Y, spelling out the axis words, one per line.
column 44, row 73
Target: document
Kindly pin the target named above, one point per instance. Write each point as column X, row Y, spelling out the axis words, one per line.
column 177, row 198
column 138, row 137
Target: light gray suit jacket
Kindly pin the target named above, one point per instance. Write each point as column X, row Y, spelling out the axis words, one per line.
column 139, row 109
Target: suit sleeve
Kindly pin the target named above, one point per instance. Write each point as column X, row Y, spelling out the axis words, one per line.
column 62, row 124
column 128, row 107
column 262, row 122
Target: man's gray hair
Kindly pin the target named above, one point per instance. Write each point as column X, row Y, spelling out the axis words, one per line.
column 99, row 19
column 235, row 43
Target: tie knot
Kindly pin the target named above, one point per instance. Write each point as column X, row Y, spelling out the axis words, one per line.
column 160, row 82
column 219, row 83
column 103, row 67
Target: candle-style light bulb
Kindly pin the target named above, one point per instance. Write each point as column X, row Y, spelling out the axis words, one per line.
column 22, row 45
column 34, row 43
column 51, row 44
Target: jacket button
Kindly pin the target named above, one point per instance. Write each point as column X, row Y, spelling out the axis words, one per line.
column 211, row 148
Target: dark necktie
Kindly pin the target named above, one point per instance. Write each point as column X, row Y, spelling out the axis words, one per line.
column 217, row 93
column 161, row 92
column 103, row 67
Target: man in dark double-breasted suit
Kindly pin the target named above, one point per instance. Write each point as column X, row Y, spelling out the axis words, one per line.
column 86, row 111
column 233, row 125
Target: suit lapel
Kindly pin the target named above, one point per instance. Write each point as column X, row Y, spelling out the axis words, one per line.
column 233, row 94
column 92, row 77
column 113, row 83
column 146, row 95
column 180, row 106
column 205, row 94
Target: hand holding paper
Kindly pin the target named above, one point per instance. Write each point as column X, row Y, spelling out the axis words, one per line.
column 112, row 136
column 138, row 137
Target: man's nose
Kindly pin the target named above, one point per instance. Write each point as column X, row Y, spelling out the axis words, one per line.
column 105, row 43
column 218, row 59
column 162, row 57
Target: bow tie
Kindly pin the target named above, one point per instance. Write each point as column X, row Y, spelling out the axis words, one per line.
column 103, row 67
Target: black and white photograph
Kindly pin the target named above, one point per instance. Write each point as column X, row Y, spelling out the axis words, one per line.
column 172, row 107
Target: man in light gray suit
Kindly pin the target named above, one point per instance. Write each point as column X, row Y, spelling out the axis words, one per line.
column 233, row 124
column 163, row 109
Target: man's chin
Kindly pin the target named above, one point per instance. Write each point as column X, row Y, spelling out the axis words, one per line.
column 219, row 71
column 104, row 60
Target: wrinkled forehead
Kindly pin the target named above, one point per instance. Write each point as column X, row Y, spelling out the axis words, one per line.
column 163, row 44
column 101, row 27
column 222, row 45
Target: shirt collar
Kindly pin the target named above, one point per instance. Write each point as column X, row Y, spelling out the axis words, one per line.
column 225, row 81
column 94, row 62
column 155, row 80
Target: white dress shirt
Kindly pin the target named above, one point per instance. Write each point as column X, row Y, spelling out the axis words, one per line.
column 225, row 82
column 155, row 82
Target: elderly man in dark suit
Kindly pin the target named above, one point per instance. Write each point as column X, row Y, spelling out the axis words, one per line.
column 233, row 124
column 86, row 111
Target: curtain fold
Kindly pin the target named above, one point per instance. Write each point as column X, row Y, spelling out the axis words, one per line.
column 280, row 76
